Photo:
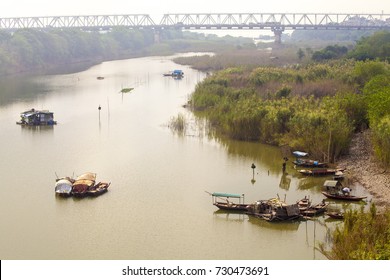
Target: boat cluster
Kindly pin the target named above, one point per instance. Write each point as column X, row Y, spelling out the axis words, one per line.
column 317, row 168
column 333, row 189
column 271, row 210
column 82, row 186
column 276, row 210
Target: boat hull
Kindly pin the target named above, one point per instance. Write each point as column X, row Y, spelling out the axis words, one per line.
column 232, row 206
column 344, row 197
column 335, row 215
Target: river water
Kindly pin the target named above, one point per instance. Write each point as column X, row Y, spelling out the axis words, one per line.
column 156, row 206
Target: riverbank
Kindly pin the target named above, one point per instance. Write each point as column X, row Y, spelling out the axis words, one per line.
column 363, row 168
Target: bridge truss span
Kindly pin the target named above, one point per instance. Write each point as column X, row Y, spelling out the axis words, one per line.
column 283, row 20
column 91, row 21
column 277, row 22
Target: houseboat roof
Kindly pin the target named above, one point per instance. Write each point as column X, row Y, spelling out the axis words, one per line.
column 33, row 112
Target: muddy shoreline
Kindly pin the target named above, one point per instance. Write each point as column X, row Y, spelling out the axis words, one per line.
column 363, row 168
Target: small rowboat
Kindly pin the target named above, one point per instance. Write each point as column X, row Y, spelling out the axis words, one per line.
column 335, row 215
column 309, row 163
column 230, row 206
column 343, row 197
column 98, row 189
column 321, row 172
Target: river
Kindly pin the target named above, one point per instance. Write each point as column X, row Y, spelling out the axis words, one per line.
column 156, row 206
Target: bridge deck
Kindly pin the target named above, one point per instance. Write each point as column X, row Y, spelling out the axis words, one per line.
column 280, row 21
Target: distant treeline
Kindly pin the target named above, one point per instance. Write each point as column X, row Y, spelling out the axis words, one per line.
column 29, row 49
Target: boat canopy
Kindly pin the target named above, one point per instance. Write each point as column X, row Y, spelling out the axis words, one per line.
column 226, row 195
column 331, row 183
column 300, row 154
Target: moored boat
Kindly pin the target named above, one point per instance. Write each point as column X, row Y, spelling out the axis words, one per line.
column 37, row 117
column 174, row 73
column 335, row 215
column 63, row 187
column 340, row 196
column 304, row 203
column 227, row 204
column 309, row 163
column 83, row 183
column 274, row 210
column 98, row 189
column 334, row 190
column 315, row 210
column 321, row 172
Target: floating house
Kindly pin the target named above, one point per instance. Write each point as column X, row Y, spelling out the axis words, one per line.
column 37, row 117
column 175, row 74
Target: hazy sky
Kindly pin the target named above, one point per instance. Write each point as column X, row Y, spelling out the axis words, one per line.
column 20, row 8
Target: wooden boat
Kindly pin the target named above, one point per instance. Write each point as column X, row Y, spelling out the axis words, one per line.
column 321, row 172
column 63, row 187
column 228, row 205
column 309, row 163
column 314, row 210
column 335, row 215
column 307, row 209
column 274, row 210
column 304, row 203
column 340, row 196
column 98, row 189
column 334, row 190
column 83, row 183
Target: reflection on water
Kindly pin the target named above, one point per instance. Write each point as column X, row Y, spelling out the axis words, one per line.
column 227, row 216
column 285, row 226
column 285, row 181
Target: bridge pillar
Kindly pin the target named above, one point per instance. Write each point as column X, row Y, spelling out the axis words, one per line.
column 278, row 31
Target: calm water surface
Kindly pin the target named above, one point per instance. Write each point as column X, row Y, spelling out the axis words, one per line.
column 156, row 207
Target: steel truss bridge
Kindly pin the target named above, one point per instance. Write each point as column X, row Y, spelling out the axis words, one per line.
column 276, row 22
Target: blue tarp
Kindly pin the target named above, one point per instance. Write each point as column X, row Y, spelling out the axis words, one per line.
column 178, row 72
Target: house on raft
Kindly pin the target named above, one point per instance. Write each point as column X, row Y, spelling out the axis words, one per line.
column 37, row 117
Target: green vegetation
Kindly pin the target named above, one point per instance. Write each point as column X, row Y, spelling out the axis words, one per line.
column 29, row 49
column 376, row 46
column 363, row 236
column 178, row 123
column 377, row 96
column 315, row 107
column 330, row 52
